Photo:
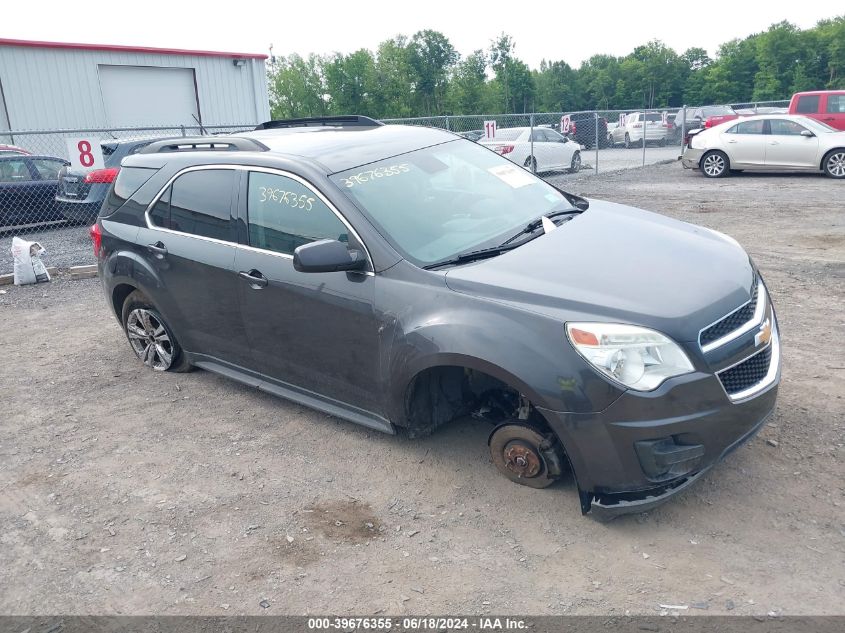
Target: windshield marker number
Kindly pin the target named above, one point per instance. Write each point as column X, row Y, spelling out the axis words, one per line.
column 372, row 174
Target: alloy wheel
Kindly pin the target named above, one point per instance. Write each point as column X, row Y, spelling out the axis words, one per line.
column 836, row 165
column 714, row 165
column 149, row 339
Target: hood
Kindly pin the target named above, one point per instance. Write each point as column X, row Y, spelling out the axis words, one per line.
column 619, row 264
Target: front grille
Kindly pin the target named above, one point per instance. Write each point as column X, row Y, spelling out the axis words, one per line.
column 733, row 321
column 748, row 373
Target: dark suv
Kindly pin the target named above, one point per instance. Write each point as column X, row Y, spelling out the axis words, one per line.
column 405, row 277
column 80, row 194
column 582, row 129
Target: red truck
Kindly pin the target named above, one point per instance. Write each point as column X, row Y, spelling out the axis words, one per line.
column 827, row 106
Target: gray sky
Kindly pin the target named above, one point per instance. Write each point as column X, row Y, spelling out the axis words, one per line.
column 324, row 26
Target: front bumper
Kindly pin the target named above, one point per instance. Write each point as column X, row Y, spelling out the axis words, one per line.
column 647, row 447
column 691, row 158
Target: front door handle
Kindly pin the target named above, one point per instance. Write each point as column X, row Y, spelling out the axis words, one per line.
column 256, row 280
column 774, row 143
column 158, row 249
column 830, row 118
column 732, row 141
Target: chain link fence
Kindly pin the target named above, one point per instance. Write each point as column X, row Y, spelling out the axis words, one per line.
column 50, row 195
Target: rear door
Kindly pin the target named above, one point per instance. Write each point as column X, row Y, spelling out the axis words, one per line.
column 786, row 147
column 316, row 331
column 744, row 143
column 833, row 110
column 190, row 241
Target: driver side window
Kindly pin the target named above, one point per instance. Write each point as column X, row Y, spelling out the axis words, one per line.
column 285, row 214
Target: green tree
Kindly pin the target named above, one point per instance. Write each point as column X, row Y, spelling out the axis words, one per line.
column 431, row 55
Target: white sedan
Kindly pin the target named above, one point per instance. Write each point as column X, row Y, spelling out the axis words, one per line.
column 551, row 151
column 769, row 143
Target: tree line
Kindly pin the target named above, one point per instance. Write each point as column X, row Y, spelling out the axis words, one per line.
column 424, row 75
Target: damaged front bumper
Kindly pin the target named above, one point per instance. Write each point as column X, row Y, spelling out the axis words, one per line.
column 607, row 507
column 647, row 447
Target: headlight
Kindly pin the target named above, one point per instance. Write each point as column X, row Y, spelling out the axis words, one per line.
column 637, row 357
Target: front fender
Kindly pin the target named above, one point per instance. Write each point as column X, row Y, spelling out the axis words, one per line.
column 527, row 351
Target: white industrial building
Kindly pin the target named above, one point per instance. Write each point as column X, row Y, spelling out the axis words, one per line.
column 61, row 86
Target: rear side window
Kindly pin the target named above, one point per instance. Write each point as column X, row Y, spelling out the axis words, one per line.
column 808, row 104
column 835, row 104
column 284, row 214
column 201, row 203
column 748, row 127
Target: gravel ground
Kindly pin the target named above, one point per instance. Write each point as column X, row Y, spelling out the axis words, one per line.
column 66, row 246
column 126, row 491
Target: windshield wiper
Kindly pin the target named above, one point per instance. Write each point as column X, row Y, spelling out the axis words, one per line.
column 533, row 225
column 508, row 245
column 473, row 256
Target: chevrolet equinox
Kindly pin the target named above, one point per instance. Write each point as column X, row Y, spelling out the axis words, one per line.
column 403, row 277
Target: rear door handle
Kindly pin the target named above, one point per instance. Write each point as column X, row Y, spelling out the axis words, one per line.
column 774, row 143
column 158, row 249
column 830, row 118
column 732, row 141
column 256, row 280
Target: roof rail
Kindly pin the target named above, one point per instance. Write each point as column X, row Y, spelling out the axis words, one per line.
column 205, row 144
column 353, row 120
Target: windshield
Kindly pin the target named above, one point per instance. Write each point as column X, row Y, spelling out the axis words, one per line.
column 435, row 203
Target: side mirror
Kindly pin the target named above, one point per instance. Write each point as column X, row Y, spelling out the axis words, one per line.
column 327, row 256
column 807, row 133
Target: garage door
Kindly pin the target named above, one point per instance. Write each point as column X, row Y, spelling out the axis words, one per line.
column 149, row 96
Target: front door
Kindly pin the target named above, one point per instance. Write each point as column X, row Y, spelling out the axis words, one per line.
column 191, row 245
column 316, row 331
column 787, row 147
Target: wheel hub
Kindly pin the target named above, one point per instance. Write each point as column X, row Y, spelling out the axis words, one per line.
column 521, row 459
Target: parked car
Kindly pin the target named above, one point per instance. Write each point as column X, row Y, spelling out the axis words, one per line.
column 402, row 277
column 827, row 106
column 768, row 142
column 5, row 150
column 696, row 118
column 27, row 189
column 551, row 151
column 80, row 193
column 638, row 126
column 583, row 129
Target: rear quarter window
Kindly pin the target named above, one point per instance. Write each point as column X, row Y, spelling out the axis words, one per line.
column 129, row 180
column 836, row 104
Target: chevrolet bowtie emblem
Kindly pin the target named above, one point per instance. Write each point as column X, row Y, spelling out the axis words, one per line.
column 764, row 335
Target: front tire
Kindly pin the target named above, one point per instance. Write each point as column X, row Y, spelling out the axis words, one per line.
column 834, row 163
column 531, row 164
column 715, row 164
column 150, row 337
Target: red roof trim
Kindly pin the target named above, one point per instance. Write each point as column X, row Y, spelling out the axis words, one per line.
column 128, row 49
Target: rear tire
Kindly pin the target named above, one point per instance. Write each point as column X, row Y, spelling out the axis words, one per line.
column 715, row 164
column 150, row 337
column 627, row 141
column 834, row 163
column 576, row 163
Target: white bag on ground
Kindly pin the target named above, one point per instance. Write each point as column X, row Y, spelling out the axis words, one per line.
column 29, row 269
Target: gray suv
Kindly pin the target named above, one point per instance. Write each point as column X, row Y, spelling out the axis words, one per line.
column 403, row 278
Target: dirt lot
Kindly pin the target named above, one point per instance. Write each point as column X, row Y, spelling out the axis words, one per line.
column 124, row 491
